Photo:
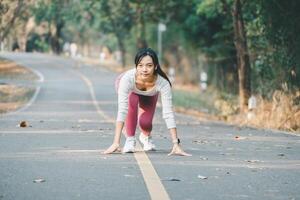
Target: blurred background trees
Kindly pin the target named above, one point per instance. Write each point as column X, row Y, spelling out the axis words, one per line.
column 245, row 47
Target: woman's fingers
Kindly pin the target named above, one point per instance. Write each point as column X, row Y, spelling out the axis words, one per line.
column 184, row 154
column 113, row 148
column 176, row 150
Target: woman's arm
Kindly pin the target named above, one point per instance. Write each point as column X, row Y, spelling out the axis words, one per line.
column 123, row 87
column 176, row 150
column 115, row 147
column 168, row 115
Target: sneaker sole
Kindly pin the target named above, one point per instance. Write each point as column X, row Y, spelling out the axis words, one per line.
column 128, row 151
column 150, row 149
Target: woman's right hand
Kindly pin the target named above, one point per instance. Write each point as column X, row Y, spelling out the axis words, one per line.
column 112, row 149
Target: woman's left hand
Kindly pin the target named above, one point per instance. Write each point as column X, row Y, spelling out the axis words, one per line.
column 177, row 150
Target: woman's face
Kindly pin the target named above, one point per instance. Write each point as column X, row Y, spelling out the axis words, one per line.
column 145, row 68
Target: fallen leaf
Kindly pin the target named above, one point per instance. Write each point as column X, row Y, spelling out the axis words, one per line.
column 202, row 177
column 129, row 175
column 200, row 141
column 239, row 138
column 23, row 124
column 253, row 161
column 171, row 179
column 39, row 180
column 203, row 158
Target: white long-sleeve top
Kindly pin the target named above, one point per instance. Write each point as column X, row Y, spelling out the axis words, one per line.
column 162, row 86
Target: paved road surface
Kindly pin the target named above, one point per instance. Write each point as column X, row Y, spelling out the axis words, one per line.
column 70, row 120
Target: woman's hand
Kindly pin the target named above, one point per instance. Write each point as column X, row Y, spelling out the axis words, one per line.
column 177, row 150
column 112, row 149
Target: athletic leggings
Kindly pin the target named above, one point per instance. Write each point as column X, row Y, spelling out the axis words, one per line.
column 141, row 110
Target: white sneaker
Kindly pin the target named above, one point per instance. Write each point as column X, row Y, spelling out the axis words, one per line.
column 129, row 145
column 147, row 142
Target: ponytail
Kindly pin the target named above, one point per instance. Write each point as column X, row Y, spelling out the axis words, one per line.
column 163, row 74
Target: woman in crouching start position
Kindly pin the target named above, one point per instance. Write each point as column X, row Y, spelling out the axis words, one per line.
column 138, row 91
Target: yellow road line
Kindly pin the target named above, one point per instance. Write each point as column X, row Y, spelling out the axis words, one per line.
column 153, row 183
column 155, row 188
column 92, row 92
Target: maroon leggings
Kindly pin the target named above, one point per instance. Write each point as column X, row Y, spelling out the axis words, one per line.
column 140, row 109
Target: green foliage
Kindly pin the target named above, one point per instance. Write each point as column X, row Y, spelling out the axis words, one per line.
column 54, row 14
column 194, row 100
column 37, row 43
column 195, row 28
column 274, row 45
column 281, row 27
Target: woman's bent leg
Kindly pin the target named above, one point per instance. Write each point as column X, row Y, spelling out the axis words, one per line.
column 131, row 119
column 147, row 105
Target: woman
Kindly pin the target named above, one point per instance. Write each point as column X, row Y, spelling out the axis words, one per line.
column 138, row 91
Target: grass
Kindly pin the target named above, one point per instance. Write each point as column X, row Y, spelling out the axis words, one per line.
column 280, row 113
column 11, row 70
column 194, row 100
column 12, row 96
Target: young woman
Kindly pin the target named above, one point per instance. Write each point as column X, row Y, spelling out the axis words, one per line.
column 138, row 91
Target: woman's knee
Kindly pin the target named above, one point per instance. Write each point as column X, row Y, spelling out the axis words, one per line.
column 145, row 122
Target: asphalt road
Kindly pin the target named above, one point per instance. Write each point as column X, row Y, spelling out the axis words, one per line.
column 71, row 122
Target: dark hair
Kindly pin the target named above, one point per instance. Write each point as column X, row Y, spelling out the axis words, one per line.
column 149, row 52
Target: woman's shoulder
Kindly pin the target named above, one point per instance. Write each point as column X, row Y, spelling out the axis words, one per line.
column 162, row 82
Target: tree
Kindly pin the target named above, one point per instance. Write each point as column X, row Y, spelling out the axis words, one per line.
column 214, row 9
column 9, row 12
column 53, row 12
column 243, row 61
column 280, row 21
column 114, row 17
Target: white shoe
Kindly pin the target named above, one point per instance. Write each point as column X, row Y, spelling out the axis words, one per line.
column 129, row 145
column 147, row 142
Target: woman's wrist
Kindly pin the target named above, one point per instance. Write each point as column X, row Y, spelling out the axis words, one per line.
column 116, row 143
column 176, row 141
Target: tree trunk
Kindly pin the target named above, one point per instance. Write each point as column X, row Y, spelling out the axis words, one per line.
column 122, row 49
column 141, row 32
column 243, row 61
column 56, row 47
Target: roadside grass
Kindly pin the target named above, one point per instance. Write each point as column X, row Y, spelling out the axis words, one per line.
column 12, row 96
column 194, row 100
column 282, row 112
column 11, row 70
